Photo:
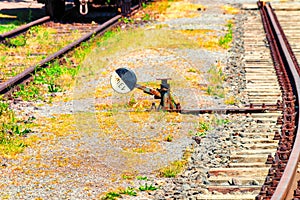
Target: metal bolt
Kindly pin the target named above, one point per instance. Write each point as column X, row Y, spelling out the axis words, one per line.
column 276, row 136
column 269, row 159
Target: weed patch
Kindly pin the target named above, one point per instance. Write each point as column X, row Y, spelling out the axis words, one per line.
column 202, row 127
column 205, row 125
column 231, row 100
column 129, row 191
column 127, row 20
column 147, row 187
column 17, row 41
column 173, row 169
column 176, row 167
column 8, row 27
column 111, row 196
column 142, row 178
column 216, row 78
column 12, row 131
column 168, row 138
column 56, row 77
column 127, row 176
column 226, row 40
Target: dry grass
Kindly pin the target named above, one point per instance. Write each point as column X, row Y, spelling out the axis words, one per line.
column 23, row 51
column 163, row 10
column 231, row 100
column 230, row 10
column 175, row 167
column 60, row 125
column 206, row 39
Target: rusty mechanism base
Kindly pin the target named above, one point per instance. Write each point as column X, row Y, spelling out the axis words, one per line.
column 167, row 102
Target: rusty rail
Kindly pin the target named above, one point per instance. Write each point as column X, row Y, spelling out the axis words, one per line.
column 247, row 109
column 279, row 181
column 23, row 28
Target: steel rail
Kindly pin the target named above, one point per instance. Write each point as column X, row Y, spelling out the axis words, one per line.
column 251, row 108
column 277, row 188
column 6, row 86
column 228, row 110
column 23, row 28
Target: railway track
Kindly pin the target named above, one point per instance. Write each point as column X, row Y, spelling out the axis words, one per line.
column 243, row 177
column 19, row 61
column 263, row 163
column 23, row 61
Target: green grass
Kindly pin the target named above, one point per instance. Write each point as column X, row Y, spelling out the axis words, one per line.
column 17, row 21
column 111, row 196
column 126, row 20
column 127, row 176
column 12, row 131
column 221, row 122
column 3, row 107
column 168, row 138
column 147, row 187
column 54, row 78
column 59, row 76
column 142, row 178
column 18, row 41
column 227, row 39
column 231, row 100
column 204, row 126
column 146, row 17
column 129, row 191
column 7, row 27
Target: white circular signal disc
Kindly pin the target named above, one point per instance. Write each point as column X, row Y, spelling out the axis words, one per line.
column 123, row 80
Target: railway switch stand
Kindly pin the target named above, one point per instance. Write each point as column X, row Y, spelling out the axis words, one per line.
column 167, row 102
column 124, row 80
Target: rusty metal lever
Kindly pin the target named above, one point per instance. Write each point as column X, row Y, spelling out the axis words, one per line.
column 167, row 102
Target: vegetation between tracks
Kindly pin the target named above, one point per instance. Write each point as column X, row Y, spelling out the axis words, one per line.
column 26, row 50
column 57, row 77
column 7, row 27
